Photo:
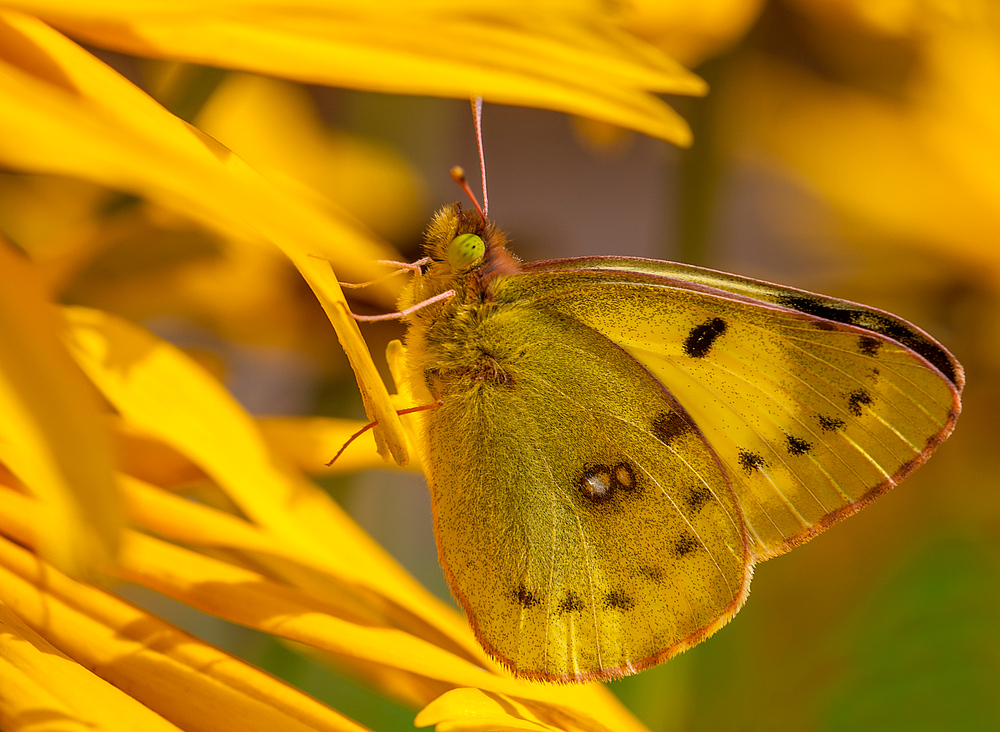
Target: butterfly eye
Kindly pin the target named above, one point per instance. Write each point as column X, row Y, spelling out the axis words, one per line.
column 465, row 250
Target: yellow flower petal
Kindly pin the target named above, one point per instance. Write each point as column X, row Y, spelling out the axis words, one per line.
column 52, row 436
column 187, row 681
column 692, row 30
column 468, row 710
column 327, row 614
column 913, row 157
column 38, row 684
column 160, row 391
column 567, row 57
column 197, row 525
column 247, row 598
column 274, row 126
column 65, row 112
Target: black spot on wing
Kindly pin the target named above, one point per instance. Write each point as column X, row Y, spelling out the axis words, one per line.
column 698, row 497
column 750, row 461
column 571, row 603
column 653, row 574
column 830, row 424
column 670, row 425
column 618, row 600
column 869, row 346
column 685, row 545
column 702, row 337
column 796, row 445
column 881, row 323
column 525, row 597
column 856, row 399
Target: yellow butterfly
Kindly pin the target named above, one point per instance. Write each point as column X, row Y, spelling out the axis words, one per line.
column 619, row 441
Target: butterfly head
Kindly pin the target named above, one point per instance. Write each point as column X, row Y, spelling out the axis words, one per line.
column 461, row 242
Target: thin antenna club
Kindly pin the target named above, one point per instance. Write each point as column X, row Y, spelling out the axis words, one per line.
column 458, row 175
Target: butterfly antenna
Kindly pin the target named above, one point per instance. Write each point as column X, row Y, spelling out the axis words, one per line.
column 458, row 175
column 477, row 113
column 370, row 425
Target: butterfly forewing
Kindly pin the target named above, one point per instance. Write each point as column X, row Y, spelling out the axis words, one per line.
column 811, row 417
column 585, row 525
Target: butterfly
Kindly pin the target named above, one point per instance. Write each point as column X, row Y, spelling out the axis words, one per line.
column 618, row 441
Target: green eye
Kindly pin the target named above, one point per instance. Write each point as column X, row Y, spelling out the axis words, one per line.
column 465, row 250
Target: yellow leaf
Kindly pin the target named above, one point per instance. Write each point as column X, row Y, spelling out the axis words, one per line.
column 52, row 435
column 327, row 613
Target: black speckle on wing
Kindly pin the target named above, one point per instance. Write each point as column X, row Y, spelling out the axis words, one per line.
column 750, row 461
column 698, row 497
column 685, row 545
column 670, row 425
column 652, row 573
column 702, row 337
column 618, row 600
column 856, row 399
column 869, row 346
column 830, row 424
column 525, row 598
column 570, row 603
column 797, row 446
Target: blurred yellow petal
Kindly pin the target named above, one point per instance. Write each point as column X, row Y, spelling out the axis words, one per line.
column 274, row 126
column 52, row 435
column 892, row 17
column 921, row 165
column 67, row 113
column 567, row 57
column 159, row 390
column 187, row 681
column 40, row 688
column 921, row 176
column 692, row 30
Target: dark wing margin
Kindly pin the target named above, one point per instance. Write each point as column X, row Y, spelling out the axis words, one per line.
column 803, row 301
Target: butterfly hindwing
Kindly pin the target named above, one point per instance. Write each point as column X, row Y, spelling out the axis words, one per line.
column 584, row 523
column 811, row 413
